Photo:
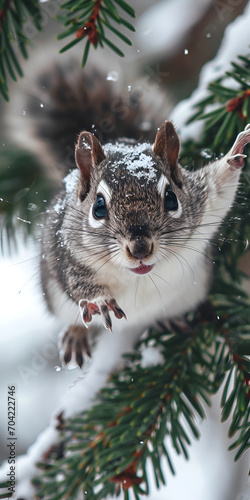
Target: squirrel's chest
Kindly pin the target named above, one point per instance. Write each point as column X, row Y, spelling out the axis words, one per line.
column 167, row 292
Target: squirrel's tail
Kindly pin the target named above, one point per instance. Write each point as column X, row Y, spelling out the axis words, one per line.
column 64, row 100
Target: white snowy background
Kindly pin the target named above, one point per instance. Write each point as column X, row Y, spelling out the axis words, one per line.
column 28, row 334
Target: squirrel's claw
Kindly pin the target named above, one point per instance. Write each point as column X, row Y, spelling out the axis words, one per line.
column 106, row 316
column 235, row 156
column 75, row 346
column 88, row 309
column 113, row 306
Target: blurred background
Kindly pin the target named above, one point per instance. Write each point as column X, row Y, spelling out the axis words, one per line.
column 172, row 43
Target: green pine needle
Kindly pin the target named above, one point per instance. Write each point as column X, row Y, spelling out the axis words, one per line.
column 118, row 33
column 11, row 29
column 126, row 7
column 69, row 45
column 23, row 189
column 113, row 47
column 221, row 124
column 85, row 54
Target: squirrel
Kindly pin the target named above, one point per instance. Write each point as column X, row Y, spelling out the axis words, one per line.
column 127, row 241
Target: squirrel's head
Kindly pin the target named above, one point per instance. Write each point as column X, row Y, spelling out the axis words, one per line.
column 132, row 194
column 138, row 204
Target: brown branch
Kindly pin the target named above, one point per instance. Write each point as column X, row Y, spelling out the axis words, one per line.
column 236, row 104
column 89, row 29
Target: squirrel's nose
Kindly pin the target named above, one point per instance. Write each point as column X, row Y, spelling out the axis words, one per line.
column 139, row 249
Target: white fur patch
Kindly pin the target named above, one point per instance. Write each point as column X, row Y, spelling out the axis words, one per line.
column 161, row 185
column 94, row 222
column 105, row 190
column 176, row 213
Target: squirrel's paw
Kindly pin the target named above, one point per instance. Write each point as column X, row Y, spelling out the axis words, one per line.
column 235, row 156
column 102, row 307
column 75, row 346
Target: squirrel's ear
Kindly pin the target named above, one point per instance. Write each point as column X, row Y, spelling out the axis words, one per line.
column 88, row 153
column 167, row 147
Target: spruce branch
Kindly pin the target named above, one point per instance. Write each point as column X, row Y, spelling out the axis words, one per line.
column 111, row 444
column 13, row 40
column 88, row 20
column 229, row 114
column 24, row 192
column 142, row 410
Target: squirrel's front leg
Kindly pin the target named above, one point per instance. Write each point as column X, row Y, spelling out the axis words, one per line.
column 75, row 342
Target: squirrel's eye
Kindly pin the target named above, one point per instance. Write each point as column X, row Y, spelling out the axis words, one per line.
column 99, row 208
column 171, row 202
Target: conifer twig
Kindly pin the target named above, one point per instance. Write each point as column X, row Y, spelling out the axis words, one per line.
column 88, row 20
column 13, row 14
column 231, row 108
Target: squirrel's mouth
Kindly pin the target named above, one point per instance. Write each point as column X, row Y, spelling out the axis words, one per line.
column 141, row 269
